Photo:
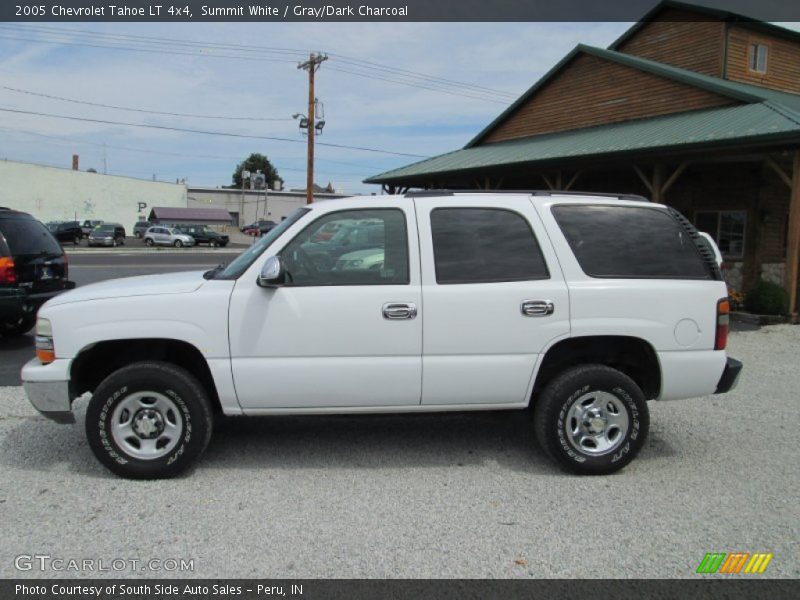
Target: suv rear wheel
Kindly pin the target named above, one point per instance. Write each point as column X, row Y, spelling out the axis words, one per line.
column 148, row 241
column 149, row 420
column 591, row 419
column 19, row 327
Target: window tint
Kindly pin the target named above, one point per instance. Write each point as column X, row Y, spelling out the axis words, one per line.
column 370, row 247
column 26, row 236
column 484, row 245
column 629, row 242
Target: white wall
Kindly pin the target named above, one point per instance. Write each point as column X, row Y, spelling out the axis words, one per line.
column 52, row 194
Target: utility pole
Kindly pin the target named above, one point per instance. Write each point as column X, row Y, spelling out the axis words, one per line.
column 311, row 65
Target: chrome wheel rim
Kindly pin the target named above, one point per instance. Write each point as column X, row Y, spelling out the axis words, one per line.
column 146, row 425
column 596, row 423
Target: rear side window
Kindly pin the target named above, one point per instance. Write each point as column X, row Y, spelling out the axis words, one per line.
column 484, row 245
column 27, row 236
column 629, row 242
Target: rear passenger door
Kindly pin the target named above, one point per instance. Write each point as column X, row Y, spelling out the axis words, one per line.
column 493, row 298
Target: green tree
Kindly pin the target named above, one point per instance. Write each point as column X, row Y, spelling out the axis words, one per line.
column 256, row 162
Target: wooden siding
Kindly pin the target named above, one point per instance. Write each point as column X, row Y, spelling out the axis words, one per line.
column 593, row 91
column 676, row 39
column 783, row 60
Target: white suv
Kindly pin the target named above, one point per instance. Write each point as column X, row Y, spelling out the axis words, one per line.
column 581, row 306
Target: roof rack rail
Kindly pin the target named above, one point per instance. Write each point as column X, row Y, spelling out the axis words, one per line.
column 424, row 193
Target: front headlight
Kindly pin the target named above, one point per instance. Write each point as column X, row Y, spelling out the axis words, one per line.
column 45, row 349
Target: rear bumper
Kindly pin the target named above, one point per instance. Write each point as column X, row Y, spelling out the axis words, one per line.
column 47, row 388
column 730, row 376
column 16, row 302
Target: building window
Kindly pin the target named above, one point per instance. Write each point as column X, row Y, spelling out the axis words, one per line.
column 727, row 227
column 758, row 57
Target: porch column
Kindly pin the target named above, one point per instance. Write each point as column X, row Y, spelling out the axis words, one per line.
column 793, row 247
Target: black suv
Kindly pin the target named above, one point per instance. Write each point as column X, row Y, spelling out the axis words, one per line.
column 33, row 269
column 66, row 231
column 205, row 235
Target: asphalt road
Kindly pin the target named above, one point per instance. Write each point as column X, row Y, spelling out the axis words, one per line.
column 100, row 266
column 429, row 496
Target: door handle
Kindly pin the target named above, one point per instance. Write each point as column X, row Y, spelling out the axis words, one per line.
column 399, row 310
column 537, row 308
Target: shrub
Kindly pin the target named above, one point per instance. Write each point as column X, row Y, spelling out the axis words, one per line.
column 766, row 298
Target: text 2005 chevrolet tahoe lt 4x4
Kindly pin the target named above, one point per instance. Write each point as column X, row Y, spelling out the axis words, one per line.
column 582, row 306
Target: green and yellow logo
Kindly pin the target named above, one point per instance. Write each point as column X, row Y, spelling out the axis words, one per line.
column 735, row 562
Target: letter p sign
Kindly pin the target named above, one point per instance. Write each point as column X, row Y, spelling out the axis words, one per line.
column 142, row 206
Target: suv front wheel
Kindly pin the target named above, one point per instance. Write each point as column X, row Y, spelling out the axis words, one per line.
column 591, row 419
column 149, row 420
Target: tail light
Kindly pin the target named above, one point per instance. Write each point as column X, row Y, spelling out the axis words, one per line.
column 723, row 318
column 7, row 272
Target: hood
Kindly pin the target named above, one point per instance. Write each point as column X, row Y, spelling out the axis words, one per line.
column 146, row 285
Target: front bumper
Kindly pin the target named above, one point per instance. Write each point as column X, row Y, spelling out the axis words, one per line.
column 101, row 241
column 47, row 388
column 730, row 376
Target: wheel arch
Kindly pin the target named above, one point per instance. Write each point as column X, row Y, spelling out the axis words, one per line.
column 97, row 361
column 631, row 355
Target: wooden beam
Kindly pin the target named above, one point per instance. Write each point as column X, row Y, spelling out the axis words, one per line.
column 499, row 183
column 658, row 183
column 770, row 162
column 672, row 178
column 547, row 181
column 573, row 180
column 558, row 180
column 793, row 246
column 644, row 178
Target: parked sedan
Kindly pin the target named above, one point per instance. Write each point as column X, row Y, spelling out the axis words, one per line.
column 107, row 234
column 259, row 227
column 66, row 231
column 167, row 236
column 205, row 235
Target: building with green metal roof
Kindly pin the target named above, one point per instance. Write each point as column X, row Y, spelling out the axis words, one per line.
column 696, row 108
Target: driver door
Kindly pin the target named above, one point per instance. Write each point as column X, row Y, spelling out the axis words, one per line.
column 345, row 330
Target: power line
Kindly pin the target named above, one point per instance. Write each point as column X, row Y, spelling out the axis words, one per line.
column 139, row 110
column 384, row 73
column 204, row 132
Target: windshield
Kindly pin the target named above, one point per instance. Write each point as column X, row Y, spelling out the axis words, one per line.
column 246, row 258
column 104, row 229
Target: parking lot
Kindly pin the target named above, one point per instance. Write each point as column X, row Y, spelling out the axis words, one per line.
column 428, row 496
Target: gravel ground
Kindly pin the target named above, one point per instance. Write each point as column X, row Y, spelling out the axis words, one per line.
column 427, row 496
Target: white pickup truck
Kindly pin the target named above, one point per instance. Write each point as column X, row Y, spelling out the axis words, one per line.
column 582, row 307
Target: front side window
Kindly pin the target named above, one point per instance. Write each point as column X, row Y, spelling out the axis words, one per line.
column 484, row 245
column 727, row 227
column 629, row 242
column 758, row 57
column 370, row 247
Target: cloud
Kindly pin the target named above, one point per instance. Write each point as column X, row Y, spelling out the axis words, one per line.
column 359, row 111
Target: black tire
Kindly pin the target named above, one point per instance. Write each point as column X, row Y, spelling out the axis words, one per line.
column 114, row 243
column 223, row 244
column 187, row 395
column 77, row 240
column 138, row 234
column 148, row 241
column 178, row 243
column 19, row 327
column 213, row 243
column 552, row 411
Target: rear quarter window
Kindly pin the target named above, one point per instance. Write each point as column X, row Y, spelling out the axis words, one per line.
column 27, row 236
column 629, row 242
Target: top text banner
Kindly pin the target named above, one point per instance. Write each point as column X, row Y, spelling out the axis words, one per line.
column 377, row 10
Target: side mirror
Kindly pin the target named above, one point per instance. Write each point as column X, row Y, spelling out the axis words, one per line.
column 272, row 273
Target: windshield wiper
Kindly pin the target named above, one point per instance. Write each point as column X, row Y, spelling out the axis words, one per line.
column 212, row 272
